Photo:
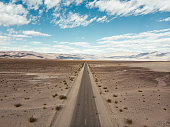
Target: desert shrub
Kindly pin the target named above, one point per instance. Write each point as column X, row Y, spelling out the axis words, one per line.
column 61, row 97
column 114, row 95
column 55, row 95
column 32, row 119
column 116, row 102
column 106, row 91
column 58, row 107
column 18, row 105
column 71, row 78
column 120, row 110
column 109, row 100
column 104, row 87
column 96, row 80
column 128, row 121
column 125, row 107
column 140, row 91
column 164, row 109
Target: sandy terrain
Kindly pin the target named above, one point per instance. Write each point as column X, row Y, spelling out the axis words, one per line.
column 136, row 93
column 31, row 88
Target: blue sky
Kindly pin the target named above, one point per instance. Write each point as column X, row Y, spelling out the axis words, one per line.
column 81, row 26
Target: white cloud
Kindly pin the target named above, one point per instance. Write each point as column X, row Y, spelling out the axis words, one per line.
column 19, row 36
column 147, row 41
column 68, row 2
column 35, row 42
column 11, row 14
column 150, row 34
column 4, row 38
column 73, row 20
column 12, row 31
column 102, row 19
column 35, row 33
column 78, row 2
column 57, row 3
column 61, row 42
column 165, row 20
column 81, row 44
column 51, row 3
column 33, row 4
column 130, row 7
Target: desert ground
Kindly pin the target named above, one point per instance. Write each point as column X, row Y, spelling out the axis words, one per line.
column 137, row 94
column 32, row 92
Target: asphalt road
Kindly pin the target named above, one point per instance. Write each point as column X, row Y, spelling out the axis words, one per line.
column 85, row 112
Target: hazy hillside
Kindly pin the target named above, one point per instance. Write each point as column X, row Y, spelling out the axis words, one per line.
column 157, row 56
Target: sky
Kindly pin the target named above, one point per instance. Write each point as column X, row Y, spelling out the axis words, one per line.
column 85, row 26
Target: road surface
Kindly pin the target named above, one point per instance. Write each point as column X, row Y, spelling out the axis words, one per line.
column 85, row 112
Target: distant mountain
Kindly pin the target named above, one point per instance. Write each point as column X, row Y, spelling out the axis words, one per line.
column 146, row 56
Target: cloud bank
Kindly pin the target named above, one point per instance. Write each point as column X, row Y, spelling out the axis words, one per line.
column 12, row 14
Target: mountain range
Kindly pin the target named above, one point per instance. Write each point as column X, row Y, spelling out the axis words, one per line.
column 145, row 56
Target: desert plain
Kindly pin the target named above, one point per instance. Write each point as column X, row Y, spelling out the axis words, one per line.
column 137, row 94
column 32, row 92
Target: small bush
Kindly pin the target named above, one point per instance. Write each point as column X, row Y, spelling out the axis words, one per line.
column 125, row 107
column 58, row 108
column 104, row 87
column 66, row 87
column 128, row 121
column 55, row 95
column 71, row 78
column 18, row 105
column 164, row 109
column 140, row 91
column 115, row 95
column 61, row 97
column 32, row 119
column 27, row 98
column 116, row 102
column 120, row 110
column 106, row 91
column 96, row 80
column 109, row 100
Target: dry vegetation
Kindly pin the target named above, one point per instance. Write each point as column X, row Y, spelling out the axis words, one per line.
column 34, row 88
column 138, row 96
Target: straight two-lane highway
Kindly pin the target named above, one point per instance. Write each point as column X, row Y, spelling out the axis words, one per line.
column 85, row 112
